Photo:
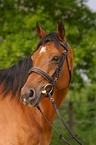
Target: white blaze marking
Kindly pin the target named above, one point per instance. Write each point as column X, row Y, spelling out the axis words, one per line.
column 43, row 49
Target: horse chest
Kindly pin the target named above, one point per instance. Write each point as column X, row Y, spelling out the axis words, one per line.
column 17, row 127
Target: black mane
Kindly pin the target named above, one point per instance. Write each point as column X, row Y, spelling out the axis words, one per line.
column 14, row 77
column 48, row 38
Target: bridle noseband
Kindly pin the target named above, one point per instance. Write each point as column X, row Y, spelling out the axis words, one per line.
column 58, row 69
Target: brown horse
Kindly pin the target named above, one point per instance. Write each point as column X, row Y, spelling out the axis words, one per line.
column 21, row 124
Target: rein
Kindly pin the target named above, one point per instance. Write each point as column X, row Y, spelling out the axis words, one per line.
column 52, row 83
column 60, row 135
column 57, row 111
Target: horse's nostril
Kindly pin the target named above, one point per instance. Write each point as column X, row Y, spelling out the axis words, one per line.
column 32, row 94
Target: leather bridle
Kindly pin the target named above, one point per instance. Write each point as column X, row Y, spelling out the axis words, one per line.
column 57, row 71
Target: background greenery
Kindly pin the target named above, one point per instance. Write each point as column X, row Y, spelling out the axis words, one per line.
column 18, row 39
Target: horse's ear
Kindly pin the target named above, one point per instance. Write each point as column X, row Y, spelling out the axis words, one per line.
column 40, row 32
column 60, row 30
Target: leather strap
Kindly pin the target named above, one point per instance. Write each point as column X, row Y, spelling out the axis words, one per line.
column 41, row 72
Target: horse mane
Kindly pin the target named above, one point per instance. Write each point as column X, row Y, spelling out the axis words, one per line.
column 13, row 78
column 48, row 38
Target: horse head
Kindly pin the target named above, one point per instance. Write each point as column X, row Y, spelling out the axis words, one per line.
column 52, row 52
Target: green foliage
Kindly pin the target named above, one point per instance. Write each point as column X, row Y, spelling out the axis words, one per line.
column 18, row 36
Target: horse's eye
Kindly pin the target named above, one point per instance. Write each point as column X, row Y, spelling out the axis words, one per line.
column 56, row 59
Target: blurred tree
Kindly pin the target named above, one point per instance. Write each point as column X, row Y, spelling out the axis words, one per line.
column 18, row 37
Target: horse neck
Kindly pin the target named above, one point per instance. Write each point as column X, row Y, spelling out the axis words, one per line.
column 60, row 96
column 47, row 106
